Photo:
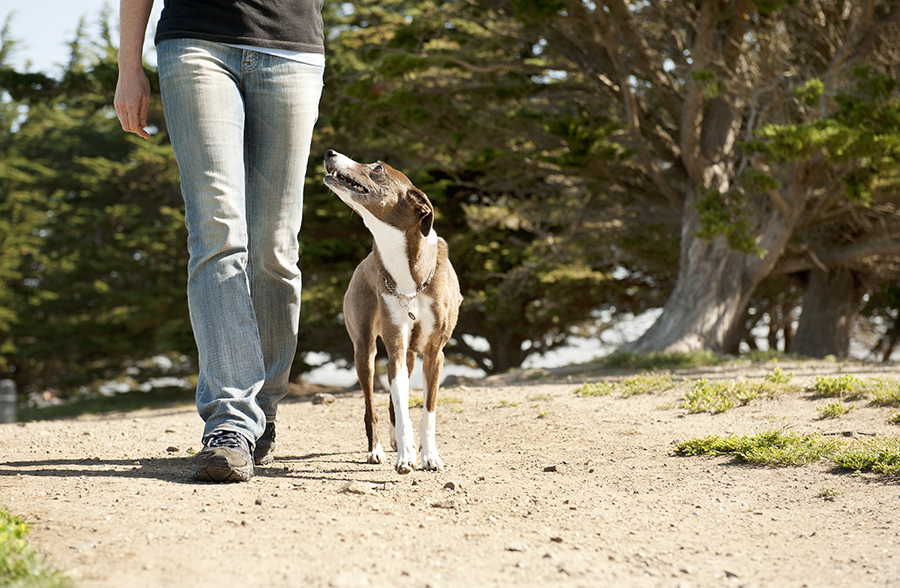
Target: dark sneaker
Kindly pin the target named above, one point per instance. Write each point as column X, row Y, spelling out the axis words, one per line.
column 226, row 457
column 265, row 446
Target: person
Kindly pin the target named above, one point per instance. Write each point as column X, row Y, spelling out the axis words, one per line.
column 240, row 82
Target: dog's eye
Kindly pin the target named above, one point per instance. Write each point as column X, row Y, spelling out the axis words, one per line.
column 377, row 167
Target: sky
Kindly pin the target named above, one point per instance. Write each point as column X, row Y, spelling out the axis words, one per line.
column 44, row 29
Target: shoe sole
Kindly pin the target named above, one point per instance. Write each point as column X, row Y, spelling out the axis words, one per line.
column 220, row 470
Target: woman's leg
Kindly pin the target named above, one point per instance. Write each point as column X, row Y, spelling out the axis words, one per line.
column 204, row 108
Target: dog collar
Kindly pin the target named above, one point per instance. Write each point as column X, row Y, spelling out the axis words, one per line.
column 406, row 300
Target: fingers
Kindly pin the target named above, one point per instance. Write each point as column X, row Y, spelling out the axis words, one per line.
column 132, row 104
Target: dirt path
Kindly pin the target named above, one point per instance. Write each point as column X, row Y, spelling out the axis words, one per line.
column 541, row 488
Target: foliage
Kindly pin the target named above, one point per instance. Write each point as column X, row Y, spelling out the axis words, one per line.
column 646, row 383
column 844, row 386
column 783, row 448
column 771, row 448
column 595, row 389
column 20, row 566
column 716, row 397
column 93, row 272
column 880, row 455
column 833, row 410
column 515, row 159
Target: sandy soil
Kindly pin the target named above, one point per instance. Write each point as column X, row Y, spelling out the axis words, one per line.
column 541, row 488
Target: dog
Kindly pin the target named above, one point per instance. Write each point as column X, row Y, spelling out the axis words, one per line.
column 404, row 291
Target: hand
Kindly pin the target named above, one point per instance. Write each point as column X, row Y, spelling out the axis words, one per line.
column 132, row 101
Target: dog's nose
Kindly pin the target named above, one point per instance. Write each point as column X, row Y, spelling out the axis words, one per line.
column 330, row 153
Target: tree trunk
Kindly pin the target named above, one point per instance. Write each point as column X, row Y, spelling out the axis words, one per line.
column 831, row 306
column 714, row 286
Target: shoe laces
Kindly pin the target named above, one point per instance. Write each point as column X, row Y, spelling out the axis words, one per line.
column 231, row 439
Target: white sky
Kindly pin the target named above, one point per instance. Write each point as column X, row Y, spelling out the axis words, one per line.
column 44, row 29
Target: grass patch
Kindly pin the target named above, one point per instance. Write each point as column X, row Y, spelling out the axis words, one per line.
column 830, row 493
column 843, row 386
column 595, row 389
column 645, row 384
column 880, row 455
column 782, row 448
column 719, row 396
column 716, row 397
column 20, row 566
column 779, row 377
column 656, row 360
column 883, row 391
column 772, row 448
column 833, row 410
column 632, row 386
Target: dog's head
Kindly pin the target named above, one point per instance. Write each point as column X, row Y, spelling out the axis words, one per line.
column 378, row 190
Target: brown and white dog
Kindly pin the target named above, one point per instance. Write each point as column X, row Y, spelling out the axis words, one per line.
column 405, row 291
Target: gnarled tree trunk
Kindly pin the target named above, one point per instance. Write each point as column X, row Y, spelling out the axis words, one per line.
column 831, row 306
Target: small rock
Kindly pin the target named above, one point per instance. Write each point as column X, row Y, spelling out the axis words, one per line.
column 359, row 488
column 515, row 547
column 450, row 503
column 172, row 449
column 556, row 539
column 451, row 486
column 323, row 398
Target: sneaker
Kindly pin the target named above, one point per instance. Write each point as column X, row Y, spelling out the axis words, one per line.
column 226, row 457
column 265, row 446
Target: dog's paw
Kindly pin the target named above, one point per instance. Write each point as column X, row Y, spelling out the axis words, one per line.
column 406, row 458
column 376, row 455
column 431, row 461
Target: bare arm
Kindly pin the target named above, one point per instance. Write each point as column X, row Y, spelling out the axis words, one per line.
column 132, row 99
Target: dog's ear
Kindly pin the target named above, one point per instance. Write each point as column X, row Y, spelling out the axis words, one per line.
column 426, row 210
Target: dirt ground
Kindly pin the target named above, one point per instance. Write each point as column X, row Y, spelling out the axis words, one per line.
column 540, row 488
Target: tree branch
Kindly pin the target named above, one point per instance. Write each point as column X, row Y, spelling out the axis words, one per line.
column 839, row 255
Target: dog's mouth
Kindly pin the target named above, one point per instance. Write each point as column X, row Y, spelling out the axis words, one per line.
column 344, row 180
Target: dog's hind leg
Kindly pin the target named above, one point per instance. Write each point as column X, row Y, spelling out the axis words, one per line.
column 433, row 365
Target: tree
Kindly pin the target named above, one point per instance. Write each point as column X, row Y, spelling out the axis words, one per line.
column 693, row 82
column 519, row 163
column 95, row 277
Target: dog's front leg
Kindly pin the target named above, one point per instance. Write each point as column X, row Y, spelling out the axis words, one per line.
column 433, row 364
column 406, row 440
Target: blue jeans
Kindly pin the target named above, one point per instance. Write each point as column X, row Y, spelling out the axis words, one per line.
column 240, row 123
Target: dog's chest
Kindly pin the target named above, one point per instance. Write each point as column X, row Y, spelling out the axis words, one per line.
column 416, row 331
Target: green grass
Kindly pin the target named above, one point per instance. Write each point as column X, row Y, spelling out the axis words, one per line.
column 879, row 454
column 833, row 410
column 719, row 396
column 631, row 386
column 783, row 448
column 843, row 386
column 645, row 384
column 20, row 566
column 883, row 391
column 595, row 389
column 772, row 448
